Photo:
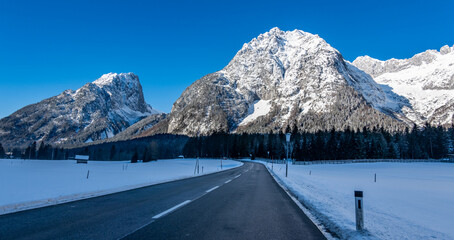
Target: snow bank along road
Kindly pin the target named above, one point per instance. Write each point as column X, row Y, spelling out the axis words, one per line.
column 401, row 200
column 240, row 203
column 26, row 184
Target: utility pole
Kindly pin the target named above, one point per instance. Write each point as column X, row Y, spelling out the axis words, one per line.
column 287, row 139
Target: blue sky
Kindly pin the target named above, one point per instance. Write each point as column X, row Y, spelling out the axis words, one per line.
column 47, row 47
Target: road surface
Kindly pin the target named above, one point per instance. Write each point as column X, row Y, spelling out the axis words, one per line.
column 241, row 203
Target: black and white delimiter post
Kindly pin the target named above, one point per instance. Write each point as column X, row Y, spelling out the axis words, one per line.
column 359, row 205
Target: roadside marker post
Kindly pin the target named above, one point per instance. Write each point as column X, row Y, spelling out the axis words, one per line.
column 359, row 206
column 196, row 168
column 287, row 139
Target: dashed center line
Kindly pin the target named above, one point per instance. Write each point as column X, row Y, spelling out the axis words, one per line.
column 171, row 209
column 211, row 189
column 228, row 181
column 237, row 176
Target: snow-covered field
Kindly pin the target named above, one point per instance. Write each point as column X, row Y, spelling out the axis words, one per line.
column 408, row 201
column 26, row 184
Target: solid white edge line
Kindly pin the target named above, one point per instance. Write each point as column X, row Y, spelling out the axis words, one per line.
column 211, row 189
column 171, row 209
column 228, row 181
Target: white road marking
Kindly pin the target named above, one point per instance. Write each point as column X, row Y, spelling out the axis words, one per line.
column 238, row 176
column 211, row 189
column 228, row 181
column 171, row 209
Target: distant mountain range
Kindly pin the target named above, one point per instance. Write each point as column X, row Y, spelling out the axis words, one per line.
column 426, row 80
column 279, row 79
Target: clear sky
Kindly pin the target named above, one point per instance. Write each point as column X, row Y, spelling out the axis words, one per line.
column 47, row 47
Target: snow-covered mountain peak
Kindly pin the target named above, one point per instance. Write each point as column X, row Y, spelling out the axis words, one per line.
column 129, row 79
column 277, row 42
column 275, row 30
column 97, row 110
column 446, row 49
column 294, row 64
column 278, row 78
column 426, row 79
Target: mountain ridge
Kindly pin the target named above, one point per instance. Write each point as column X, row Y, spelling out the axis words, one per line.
column 426, row 79
column 278, row 79
column 97, row 110
column 299, row 74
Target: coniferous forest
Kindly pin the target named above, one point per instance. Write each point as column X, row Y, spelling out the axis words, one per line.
column 414, row 143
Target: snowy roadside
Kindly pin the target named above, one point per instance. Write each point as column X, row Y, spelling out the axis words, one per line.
column 408, row 201
column 28, row 184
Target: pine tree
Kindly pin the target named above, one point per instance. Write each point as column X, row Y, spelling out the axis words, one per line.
column 154, row 150
column 440, row 146
column 294, row 129
column 2, row 151
column 113, row 152
column 287, row 129
column 41, row 151
column 451, row 134
column 32, row 152
column 17, row 153
column 135, row 157
column 145, row 153
column 414, row 148
column 331, row 145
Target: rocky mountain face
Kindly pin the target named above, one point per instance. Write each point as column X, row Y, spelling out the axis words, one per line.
column 426, row 80
column 285, row 78
column 134, row 131
column 96, row 111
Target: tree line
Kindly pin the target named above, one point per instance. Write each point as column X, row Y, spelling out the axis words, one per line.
column 413, row 143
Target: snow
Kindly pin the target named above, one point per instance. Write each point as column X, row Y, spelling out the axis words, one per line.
column 131, row 115
column 260, row 108
column 108, row 78
column 274, row 60
column 26, row 184
column 408, row 201
column 426, row 80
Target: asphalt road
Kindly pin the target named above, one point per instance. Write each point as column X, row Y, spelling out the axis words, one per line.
column 241, row 203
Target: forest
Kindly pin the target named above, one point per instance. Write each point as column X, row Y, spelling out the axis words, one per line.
column 416, row 143
column 425, row 142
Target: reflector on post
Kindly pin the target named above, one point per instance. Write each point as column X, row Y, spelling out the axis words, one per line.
column 359, row 206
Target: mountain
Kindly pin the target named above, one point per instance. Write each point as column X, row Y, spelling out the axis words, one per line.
column 426, row 80
column 284, row 78
column 134, row 131
column 96, row 111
